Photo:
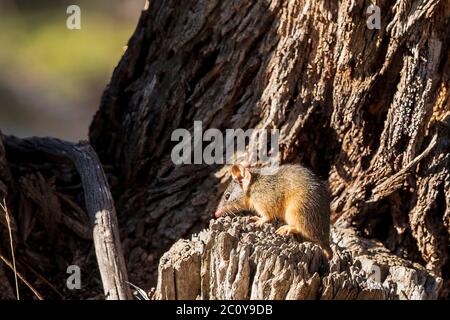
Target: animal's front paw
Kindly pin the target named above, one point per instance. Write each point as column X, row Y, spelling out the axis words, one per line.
column 258, row 220
column 285, row 230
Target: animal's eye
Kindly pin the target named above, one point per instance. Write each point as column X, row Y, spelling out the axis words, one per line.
column 227, row 196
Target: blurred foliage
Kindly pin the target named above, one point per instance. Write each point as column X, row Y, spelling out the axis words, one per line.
column 39, row 44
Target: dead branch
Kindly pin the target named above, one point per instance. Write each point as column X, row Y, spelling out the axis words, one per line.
column 99, row 205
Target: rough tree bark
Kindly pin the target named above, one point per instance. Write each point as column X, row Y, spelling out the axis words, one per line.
column 356, row 105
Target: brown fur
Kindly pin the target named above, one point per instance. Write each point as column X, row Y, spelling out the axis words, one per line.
column 293, row 195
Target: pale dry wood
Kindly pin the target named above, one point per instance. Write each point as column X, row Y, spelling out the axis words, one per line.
column 234, row 259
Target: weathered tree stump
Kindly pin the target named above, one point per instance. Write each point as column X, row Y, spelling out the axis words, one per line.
column 234, row 259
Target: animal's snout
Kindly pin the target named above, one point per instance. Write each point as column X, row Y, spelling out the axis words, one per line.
column 219, row 212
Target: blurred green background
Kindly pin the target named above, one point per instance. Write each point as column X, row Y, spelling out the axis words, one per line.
column 52, row 78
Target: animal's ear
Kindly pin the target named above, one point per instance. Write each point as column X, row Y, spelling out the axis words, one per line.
column 241, row 175
column 236, row 170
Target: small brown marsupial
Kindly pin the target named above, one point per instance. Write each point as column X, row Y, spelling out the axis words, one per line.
column 293, row 194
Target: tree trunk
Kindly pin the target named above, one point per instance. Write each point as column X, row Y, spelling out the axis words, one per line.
column 358, row 106
column 366, row 109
